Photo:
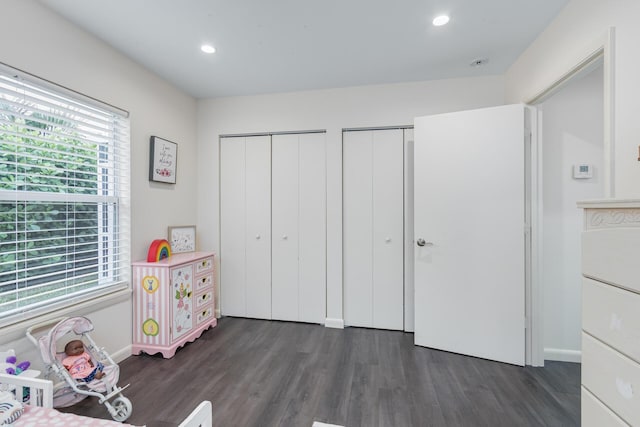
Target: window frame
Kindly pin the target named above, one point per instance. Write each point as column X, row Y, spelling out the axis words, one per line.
column 115, row 198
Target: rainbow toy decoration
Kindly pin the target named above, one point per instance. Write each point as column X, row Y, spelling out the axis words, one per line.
column 159, row 249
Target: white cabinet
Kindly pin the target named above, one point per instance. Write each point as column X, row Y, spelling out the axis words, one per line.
column 373, row 233
column 245, row 226
column 298, row 258
column 273, row 227
column 610, row 307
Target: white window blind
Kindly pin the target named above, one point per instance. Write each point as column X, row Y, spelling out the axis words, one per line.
column 64, row 196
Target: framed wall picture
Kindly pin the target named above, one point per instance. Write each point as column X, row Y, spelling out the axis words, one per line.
column 163, row 159
column 182, row 238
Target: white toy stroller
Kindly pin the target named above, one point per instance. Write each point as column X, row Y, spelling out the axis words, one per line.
column 67, row 390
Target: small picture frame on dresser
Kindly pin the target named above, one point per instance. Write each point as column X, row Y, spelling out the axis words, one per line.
column 182, row 238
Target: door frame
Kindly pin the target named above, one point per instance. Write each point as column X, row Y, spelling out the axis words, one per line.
column 601, row 52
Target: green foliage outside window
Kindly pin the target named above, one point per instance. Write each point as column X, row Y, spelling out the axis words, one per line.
column 46, row 243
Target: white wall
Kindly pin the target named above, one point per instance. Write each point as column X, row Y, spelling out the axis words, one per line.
column 334, row 109
column 569, row 39
column 62, row 53
column 572, row 133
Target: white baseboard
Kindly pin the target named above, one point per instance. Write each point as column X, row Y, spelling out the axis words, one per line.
column 334, row 323
column 563, row 355
column 121, row 354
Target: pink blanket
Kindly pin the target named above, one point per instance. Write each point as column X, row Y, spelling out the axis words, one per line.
column 34, row 416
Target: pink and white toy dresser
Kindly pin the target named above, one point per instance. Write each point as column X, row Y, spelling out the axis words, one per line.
column 173, row 302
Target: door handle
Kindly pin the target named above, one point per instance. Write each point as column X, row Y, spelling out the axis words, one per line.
column 421, row 242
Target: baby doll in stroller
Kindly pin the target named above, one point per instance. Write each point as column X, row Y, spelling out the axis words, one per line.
column 83, row 369
column 79, row 364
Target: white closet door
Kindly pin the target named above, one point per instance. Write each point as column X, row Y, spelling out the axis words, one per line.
column 285, row 201
column 258, row 226
column 388, row 233
column 299, row 227
column 312, row 240
column 357, row 156
column 232, row 230
column 373, row 228
column 408, row 232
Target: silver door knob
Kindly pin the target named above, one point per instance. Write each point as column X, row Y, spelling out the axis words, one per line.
column 257, row 237
column 388, row 239
column 421, row 242
column 285, row 237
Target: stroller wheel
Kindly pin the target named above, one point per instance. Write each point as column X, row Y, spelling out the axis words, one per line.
column 120, row 409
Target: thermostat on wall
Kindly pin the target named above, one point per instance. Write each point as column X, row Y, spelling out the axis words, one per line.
column 582, row 171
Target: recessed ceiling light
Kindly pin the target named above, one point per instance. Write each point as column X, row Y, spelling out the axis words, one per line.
column 207, row 48
column 441, row 20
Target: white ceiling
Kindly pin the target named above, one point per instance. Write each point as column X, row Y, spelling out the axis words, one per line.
column 267, row 46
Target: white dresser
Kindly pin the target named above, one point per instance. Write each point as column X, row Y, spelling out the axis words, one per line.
column 611, row 313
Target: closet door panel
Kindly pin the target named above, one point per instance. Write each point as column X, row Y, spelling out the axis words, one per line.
column 357, row 226
column 408, row 232
column 232, row 232
column 312, row 225
column 388, row 232
column 285, row 191
column 258, row 227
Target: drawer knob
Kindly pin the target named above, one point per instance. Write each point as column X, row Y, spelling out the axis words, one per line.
column 616, row 322
column 624, row 388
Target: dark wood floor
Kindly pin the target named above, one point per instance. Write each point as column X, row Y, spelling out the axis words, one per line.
column 262, row 373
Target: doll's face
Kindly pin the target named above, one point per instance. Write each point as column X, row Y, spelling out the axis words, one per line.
column 74, row 348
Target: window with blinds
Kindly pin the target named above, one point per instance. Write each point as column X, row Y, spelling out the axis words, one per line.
column 64, row 196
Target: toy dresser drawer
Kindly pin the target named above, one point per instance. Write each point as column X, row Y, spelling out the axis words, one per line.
column 611, row 255
column 204, row 299
column 611, row 314
column 204, row 265
column 595, row 414
column 204, row 314
column 204, row 282
column 613, row 377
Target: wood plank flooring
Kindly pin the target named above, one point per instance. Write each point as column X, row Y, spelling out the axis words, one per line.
column 269, row 373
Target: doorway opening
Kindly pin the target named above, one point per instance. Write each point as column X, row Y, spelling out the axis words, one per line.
column 572, row 159
column 600, row 58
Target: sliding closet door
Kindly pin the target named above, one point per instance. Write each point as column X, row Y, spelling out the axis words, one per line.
column 245, row 226
column 373, row 238
column 299, row 227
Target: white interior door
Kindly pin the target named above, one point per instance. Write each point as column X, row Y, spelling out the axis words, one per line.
column 469, row 208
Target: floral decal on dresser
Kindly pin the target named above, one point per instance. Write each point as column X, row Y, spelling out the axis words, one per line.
column 610, row 218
